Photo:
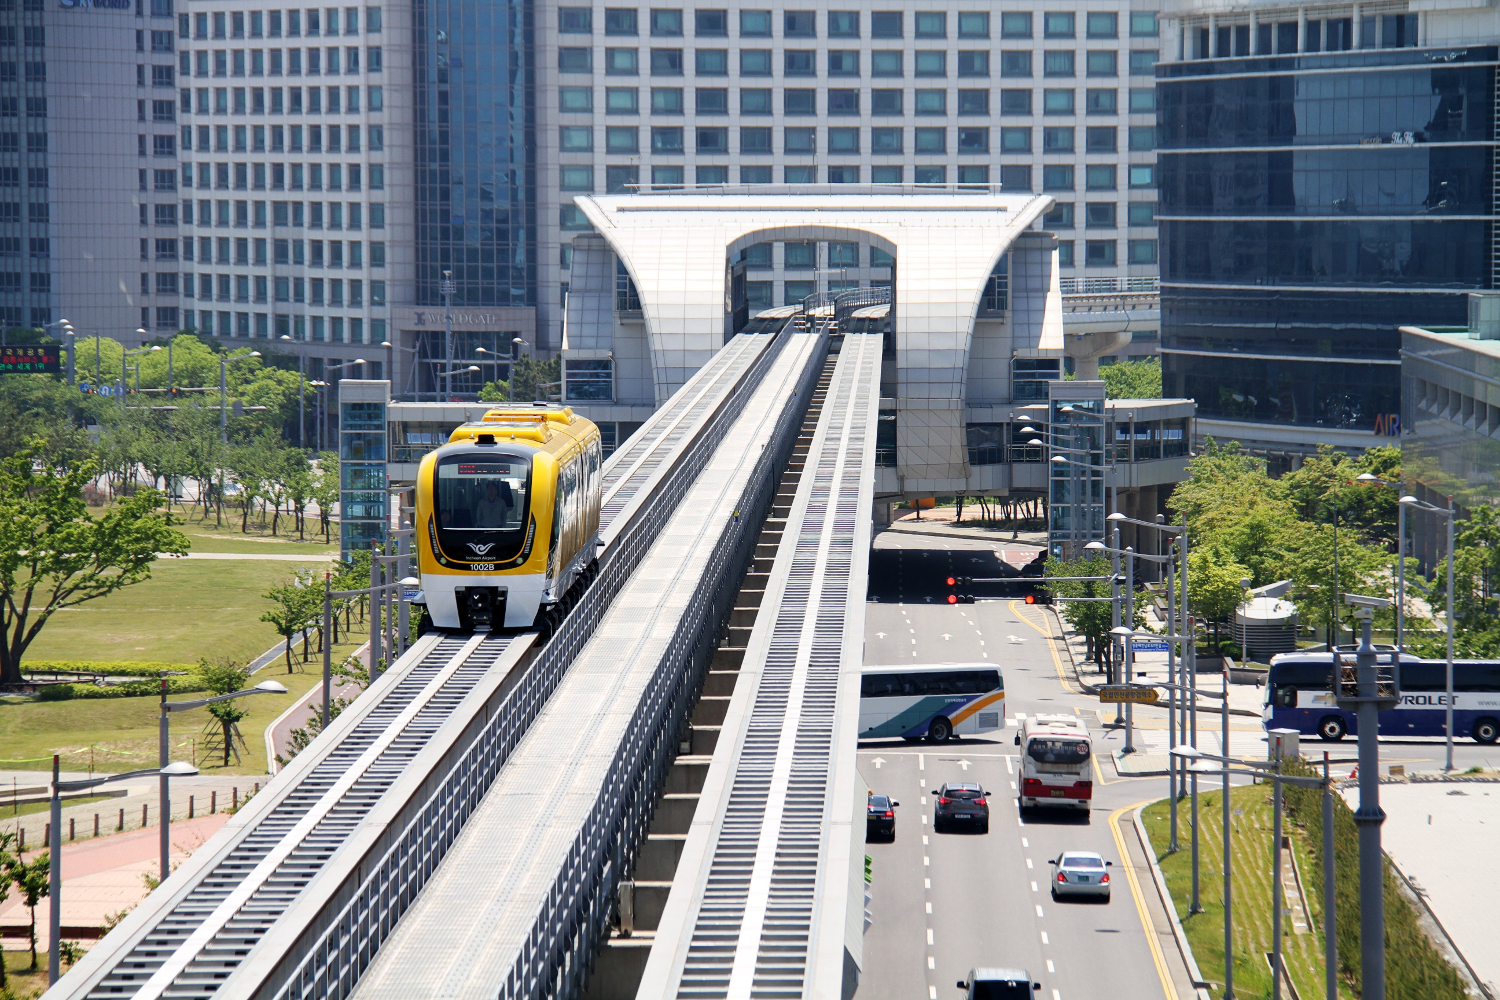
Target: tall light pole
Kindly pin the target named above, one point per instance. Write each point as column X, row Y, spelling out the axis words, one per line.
column 224, row 362
column 301, row 397
column 447, row 288
column 54, row 844
column 66, row 329
column 390, row 361
column 1451, row 514
column 516, row 344
column 167, row 707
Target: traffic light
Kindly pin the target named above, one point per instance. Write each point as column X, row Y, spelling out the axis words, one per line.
column 960, row 590
column 1039, row 597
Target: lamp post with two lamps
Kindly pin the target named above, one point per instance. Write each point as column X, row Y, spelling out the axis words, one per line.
column 1125, row 632
column 69, row 342
column 123, row 366
column 178, row 769
column 167, row 707
column 1450, row 515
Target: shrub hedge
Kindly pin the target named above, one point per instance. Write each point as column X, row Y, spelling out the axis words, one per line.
column 133, row 689
column 123, row 668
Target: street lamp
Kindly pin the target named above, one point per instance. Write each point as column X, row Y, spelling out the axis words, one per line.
column 516, row 343
column 1202, row 763
column 123, row 366
column 1120, row 630
column 167, row 707
column 224, row 362
column 1451, row 515
column 301, row 395
column 69, row 342
column 54, row 844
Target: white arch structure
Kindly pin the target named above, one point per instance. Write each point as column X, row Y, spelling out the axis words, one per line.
column 676, row 245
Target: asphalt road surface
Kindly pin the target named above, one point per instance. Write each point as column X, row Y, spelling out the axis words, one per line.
column 944, row 903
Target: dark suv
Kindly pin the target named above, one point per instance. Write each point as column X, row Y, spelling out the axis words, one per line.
column 880, row 817
column 961, row 804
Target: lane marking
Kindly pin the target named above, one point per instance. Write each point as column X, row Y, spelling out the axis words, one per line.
column 1039, row 911
column 1025, row 842
column 1029, row 864
column 1044, row 938
column 932, row 993
column 1055, row 995
column 924, row 840
column 1051, row 646
column 924, row 820
column 921, row 762
column 929, row 935
column 931, row 962
column 1010, row 768
column 1012, row 786
column 1050, row 966
column 929, row 907
column 926, row 861
column 927, row 883
column 1168, row 990
column 1033, row 885
column 922, row 783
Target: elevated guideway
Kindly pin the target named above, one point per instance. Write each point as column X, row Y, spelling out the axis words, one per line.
column 523, row 900
column 768, row 895
column 295, row 893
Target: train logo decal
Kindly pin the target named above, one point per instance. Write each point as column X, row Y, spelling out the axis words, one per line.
column 481, row 550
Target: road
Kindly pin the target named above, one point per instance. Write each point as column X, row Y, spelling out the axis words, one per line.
column 943, row 903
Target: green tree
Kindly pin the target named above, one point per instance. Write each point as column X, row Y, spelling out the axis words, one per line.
column 299, row 482
column 1309, row 563
column 7, row 854
column 31, row 880
column 533, row 379
column 495, row 392
column 325, row 490
column 55, row 555
column 298, row 605
column 1214, row 579
column 1326, row 484
column 225, row 677
column 1091, row 618
column 40, row 413
column 1132, row 379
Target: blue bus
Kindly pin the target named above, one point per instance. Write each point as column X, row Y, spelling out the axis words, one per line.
column 1299, row 696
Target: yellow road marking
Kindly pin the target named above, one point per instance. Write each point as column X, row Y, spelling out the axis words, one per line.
column 1051, row 646
column 1168, row 990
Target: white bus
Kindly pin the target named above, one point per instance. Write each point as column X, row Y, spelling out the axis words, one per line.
column 1055, row 755
column 931, row 700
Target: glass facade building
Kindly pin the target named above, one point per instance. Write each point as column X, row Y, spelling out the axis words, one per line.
column 1314, row 196
column 475, row 151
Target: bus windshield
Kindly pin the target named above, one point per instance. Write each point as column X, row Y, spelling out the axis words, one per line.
column 1049, row 750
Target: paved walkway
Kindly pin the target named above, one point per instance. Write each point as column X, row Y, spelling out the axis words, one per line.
column 1464, row 818
column 260, row 556
column 103, row 877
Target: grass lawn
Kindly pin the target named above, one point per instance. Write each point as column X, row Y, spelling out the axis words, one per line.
column 1252, row 875
column 122, row 734
column 208, row 537
column 186, row 611
column 25, row 984
column 38, row 807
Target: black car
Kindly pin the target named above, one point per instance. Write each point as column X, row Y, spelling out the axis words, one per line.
column 880, row 817
column 962, row 804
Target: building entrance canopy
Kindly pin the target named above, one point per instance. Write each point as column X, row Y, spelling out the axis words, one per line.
column 675, row 247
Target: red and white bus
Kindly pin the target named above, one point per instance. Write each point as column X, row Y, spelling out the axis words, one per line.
column 1055, row 755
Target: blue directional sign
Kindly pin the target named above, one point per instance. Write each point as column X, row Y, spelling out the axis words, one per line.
column 1149, row 647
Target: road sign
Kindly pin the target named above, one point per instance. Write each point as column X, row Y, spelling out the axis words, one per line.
column 17, row 360
column 1119, row 694
column 1149, row 647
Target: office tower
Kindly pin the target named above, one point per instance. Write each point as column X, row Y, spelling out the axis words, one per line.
column 1326, row 178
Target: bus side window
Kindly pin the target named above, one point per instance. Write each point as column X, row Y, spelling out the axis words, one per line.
column 1286, row 697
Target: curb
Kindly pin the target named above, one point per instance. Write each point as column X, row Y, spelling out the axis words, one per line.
column 1200, row 985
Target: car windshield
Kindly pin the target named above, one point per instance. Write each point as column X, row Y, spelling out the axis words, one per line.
column 1057, row 751
column 879, row 802
column 1073, row 861
column 1002, row 989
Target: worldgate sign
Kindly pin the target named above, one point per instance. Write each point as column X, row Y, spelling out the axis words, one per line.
column 25, row 360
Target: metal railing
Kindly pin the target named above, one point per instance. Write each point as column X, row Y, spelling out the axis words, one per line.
column 348, row 939
column 1108, row 286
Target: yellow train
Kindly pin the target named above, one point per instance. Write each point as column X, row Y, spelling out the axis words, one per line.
column 508, row 519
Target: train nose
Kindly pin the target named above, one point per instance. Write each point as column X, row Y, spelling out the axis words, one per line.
column 482, row 608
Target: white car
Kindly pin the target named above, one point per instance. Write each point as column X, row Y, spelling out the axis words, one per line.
column 1080, row 873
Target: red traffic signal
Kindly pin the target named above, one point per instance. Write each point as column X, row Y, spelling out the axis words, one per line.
column 952, row 598
column 952, row 581
column 1030, row 598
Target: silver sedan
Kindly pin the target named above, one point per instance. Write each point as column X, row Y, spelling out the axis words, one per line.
column 1080, row 873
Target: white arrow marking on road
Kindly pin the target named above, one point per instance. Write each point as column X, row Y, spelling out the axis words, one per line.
column 964, row 764
column 927, row 599
column 1014, row 639
column 947, row 636
column 880, row 635
column 878, row 761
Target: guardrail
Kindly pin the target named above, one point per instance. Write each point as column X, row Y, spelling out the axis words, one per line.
column 1106, row 286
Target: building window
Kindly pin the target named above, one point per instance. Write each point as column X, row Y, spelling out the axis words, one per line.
column 755, row 24
column 885, row 102
column 800, row 24
column 843, row 102
column 711, row 23
column 575, row 60
column 1103, row 24
column 713, row 140
column 1015, row 140
column 1142, row 138
column 1142, row 176
column 621, row 138
column 1015, row 64
column 886, row 24
column 1100, row 176
column 798, row 62
column 1057, row 102
column 575, row 20
column 931, row 24
column 666, row 62
column 843, row 140
column 755, row 175
column 755, row 101
column 887, row 63
column 973, row 140
column 974, row 63
column 930, row 174
column 1142, row 100
column 665, row 100
column 1061, row 216
column 1057, row 177
column 1100, row 214
column 1057, row 63
column 842, row 62
column 711, row 62
column 931, row 102
column 666, row 176
column 752, row 140
column 1102, row 63
column 1100, row 139
column 843, row 24
column 621, row 178
column 711, row 100
column 621, row 101
column 620, row 21
column 974, row 102
column 932, row 140
column 621, row 62
column 755, row 62
column 1099, row 253
column 575, row 138
column 577, row 178
column 1142, row 251
column 1142, row 62
column 1015, row 178
column 1057, row 139
column 931, row 62
column 801, row 141
column 1058, row 25
column 799, row 101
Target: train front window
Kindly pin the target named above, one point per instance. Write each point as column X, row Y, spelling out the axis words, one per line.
column 482, row 504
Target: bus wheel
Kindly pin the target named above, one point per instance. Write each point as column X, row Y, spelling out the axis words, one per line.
column 939, row 731
column 1486, row 730
column 1331, row 728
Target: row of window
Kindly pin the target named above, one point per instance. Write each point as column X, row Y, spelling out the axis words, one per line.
column 40, row 246
column 287, row 138
column 280, row 214
column 288, row 100
column 10, row 282
column 260, row 252
column 276, row 62
column 803, row 256
column 273, row 24
column 35, row 37
column 846, row 62
column 36, row 212
column 10, row 142
column 1389, row 31
column 670, row 139
column 36, row 72
column 1100, row 215
column 10, row 107
column 260, row 288
column 844, row 103
column 626, row 21
column 274, row 176
column 1055, row 177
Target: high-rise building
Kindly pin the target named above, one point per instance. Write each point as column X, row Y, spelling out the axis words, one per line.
column 1326, row 176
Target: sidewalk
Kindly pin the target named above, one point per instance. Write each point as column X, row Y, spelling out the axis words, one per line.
column 196, row 793
column 104, row 877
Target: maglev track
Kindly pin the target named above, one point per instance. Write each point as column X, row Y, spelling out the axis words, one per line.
column 192, row 935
